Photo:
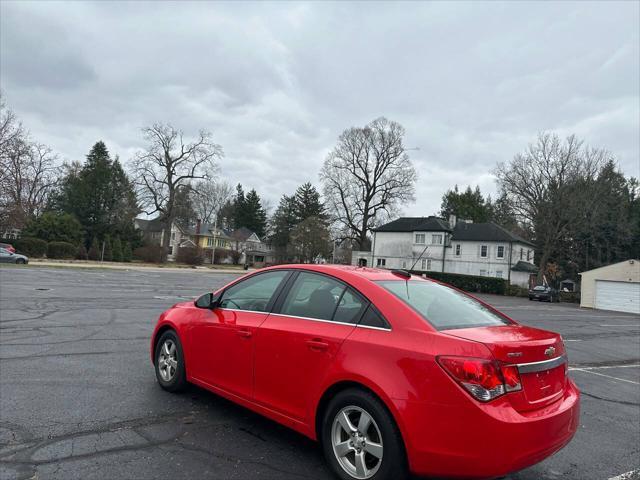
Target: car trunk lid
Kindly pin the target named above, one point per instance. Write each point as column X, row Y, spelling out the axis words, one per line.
column 539, row 355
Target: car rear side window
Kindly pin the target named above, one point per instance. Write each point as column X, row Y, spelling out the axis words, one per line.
column 350, row 307
column 442, row 306
column 254, row 293
column 372, row 318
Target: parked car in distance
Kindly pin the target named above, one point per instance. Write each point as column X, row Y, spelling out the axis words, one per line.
column 8, row 246
column 542, row 292
column 392, row 374
column 7, row 256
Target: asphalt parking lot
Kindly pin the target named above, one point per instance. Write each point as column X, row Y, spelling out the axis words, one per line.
column 79, row 400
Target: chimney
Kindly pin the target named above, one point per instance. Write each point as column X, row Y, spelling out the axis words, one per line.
column 452, row 221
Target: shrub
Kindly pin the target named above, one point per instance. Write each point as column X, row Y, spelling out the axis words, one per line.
column 150, row 253
column 94, row 250
column 55, row 227
column 117, row 250
column 516, row 291
column 470, row 283
column 81, row 253
column 570, row 297
column 61, row 250
column 32, row 247
column 127, row 253
column 190, row 256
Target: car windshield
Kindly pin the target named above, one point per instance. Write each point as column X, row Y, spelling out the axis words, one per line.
column 443, row 307
column 540, row 288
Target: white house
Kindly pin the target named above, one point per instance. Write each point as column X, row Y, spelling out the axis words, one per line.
column 434, row 244
column 153, row 232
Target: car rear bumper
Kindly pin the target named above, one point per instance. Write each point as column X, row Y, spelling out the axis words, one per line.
column 486, row 440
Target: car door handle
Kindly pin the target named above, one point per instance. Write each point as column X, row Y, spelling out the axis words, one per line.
column 317, row 345
column 244, row 333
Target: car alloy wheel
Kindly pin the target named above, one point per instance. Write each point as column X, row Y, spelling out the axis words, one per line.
column 168, row 360
column 357, row 442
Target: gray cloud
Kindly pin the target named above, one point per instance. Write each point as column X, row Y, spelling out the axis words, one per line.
column 277, row 83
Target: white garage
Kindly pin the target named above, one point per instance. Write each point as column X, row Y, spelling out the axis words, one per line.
column 613, row 287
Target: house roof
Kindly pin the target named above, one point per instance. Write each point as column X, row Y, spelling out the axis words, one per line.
column 413, row 224
column 489, row 232
column 523, row 266
column 242, row 234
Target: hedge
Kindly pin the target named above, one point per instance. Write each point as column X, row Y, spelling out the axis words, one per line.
column 190, row 256
column 570, row 297
column 470, row 283
column 149, row 253
column 30, row 246
column 61, row 250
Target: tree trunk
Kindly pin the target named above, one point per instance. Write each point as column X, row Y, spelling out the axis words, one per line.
column 166, row 239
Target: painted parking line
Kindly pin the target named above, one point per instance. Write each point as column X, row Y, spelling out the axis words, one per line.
column 627, row 476
column 621, row 325
column 603, row 375
column 605, row 367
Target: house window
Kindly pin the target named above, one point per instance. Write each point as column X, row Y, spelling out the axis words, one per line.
column 404, row 264
column 484, row 251
column 209, row 242
column 420, row 238
column 424, row 264
column 500, row 252
column 458, row 250
column 173, row 235
column 170, row 249
column 499, row 273
column 483, row 273
column 528, row 254
column 436, row 239
column 521, row 253
column 381, row 262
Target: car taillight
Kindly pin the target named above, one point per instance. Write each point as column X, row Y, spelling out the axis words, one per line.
column 483, row 379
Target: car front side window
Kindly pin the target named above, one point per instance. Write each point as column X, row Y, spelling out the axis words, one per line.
column 254, row 293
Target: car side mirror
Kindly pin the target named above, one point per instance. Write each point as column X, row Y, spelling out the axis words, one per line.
column 208, row 300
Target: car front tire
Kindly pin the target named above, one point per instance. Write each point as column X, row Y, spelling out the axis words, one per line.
column 169, row 362
column 20, row 261
column 360, row 439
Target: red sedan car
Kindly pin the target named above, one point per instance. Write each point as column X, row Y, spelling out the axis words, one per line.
column 392, row 373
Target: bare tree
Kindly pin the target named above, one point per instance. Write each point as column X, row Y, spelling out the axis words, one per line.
column 166, row 165
column 545, row 186
column 209, row 197
column 10, row 128
column 366, row 177
column 27, row 175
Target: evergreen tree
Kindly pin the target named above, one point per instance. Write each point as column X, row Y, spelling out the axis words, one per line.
column 468, row 205
column 117, row 250
column 94, row 250
column 283, row 221
column 127, row 253
column 307, row 203
column 54, row 227
column 99, row 194
column 239, row 209
column 256, row 217
column 108, row 250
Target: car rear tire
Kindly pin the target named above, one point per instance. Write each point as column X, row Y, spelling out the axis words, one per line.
column 169, row 362
column 20, row 261
column 360, row 439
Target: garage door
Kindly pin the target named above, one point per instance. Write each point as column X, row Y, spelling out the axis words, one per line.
column 618, row 296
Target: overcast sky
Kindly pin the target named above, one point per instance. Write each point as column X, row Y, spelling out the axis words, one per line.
column 276, row 83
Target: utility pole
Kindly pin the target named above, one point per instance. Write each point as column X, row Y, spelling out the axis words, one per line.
column 215, row 228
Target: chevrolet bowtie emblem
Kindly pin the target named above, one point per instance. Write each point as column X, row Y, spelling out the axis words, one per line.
column 550, row 351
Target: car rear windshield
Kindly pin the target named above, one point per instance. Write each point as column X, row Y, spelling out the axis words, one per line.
column 443, row 307
column 540, row 288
